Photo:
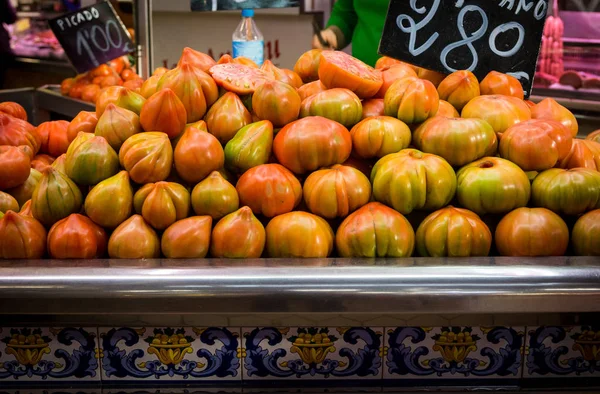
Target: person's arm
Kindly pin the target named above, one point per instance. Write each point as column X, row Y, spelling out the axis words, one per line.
column 7, row 12
column 340, row 26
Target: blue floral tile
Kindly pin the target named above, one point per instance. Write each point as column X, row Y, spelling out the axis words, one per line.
column 169, row 353
column 563, row 352
column 46, row 354
column 453, row 352
column 312, row 353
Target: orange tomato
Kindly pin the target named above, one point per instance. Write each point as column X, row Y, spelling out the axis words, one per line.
column 307, row 65
column 197, row 59
column 299, row 234
column 339, row 70
column 197, row 154
column 66, row 85
column 164, row 112
column 583, row 153
column 549, row 109
column 21, row 237
column 499, row 83
column 84, row 122
column 226, row 117
column 8, row 203
column 459, row 88
column 372, row 107
column 54, row 137
column 286, row 76
column 76, row 237
column 41, row 161
column 16, row 132
column 14, row 166
column 121, row 97
column 446, row 109
column 432, row 76
column 148, row 157
column 412, row 100
column 13, row 109
column 594, row 136
column 134, row 84
column 119, row 64
column 238, row 235
column 391, row 74
column 134, row 239
column 311, row 88
column 277, row 102
column 101, row 71
column 378, row 136
column 501, row 112
column 162, row 203
column 586, row 234
column 215, row 196
column 90, row 93
column 187, row 239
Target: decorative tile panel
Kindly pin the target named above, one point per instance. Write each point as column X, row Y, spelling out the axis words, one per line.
column 453, row 352
column 312, row 353
column 167, row 353
column 48, row 354
column 556, row 352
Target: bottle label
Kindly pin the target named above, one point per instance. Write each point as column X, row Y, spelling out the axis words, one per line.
column 253, row 50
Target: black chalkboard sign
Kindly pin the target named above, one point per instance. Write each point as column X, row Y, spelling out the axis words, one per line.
column 92, row 36
column 475, row 35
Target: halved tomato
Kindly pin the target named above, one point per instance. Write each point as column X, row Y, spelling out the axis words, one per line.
column 238, row 78
column 339, row 70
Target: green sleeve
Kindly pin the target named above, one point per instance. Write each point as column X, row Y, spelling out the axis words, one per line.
column 344, row 17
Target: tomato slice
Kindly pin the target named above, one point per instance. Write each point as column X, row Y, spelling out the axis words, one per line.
column 339, row 70
column 238, row 78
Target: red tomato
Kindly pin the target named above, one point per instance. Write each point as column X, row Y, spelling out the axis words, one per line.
column 76, row 237
column 391, row 74
column 21, row 237
column 14, row 166
column 16, row 132
column 90, row 93
column 372, row 107
column 13, row 109
column 339, row 70
column 499, row 83
column 584, row 153
column 54, row 137
column 188, row 238
column 238, row 235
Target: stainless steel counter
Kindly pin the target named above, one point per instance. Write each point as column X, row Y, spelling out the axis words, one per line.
column 476, row 285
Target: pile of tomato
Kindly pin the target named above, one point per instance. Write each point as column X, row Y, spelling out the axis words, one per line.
column 334, row 158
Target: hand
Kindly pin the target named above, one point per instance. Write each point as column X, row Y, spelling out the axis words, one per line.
column 329, row 36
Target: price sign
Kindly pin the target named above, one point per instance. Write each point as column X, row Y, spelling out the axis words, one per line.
column 92, row 36
column 475, row 35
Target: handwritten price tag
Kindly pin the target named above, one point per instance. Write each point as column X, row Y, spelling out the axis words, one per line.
column 475, row 35
column 92, row 36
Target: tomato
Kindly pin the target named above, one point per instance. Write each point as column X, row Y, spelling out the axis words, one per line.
column 14, row 166
column 148, row 157
column 23, row 192
column 150, row 86
column 536, row 144
column 269, row 189
column 311, row 143
column 499, row 83
column 372, row 107
column 459, row 88
column 238, row 78
column 412, row 100
column 41, row 161
column 76, row 237
column 134, row 239
column 594, row 136
column 336, row 191
column 385, row 61
column 187, row 239
column 393, row 73
column 85, row 122
column 111, row 80
column 276, row 102
column 570, row 192
column 250, row 147
column 90, row 93
column 8, row 203
column 532, row 232
column 197, row 59
column 412, row 180
column 101, row 71
column 164, row 112
column 307, row 65
column 197, row 154
column 160, row 71
column 25, row 210
column 21, row 237
column 286, row 76
column 54, row 138
column 121, row 97
column 77, row 90
column 339, row 70
column 134, row 84
column 66, row 85
column 551, row 110
column 119, row 64
column 305, row 91
column 240, row 60
column 162, row 203
column 501, row 112
column 459, row 141
column 446, row 109
column 16, row 132
column 584, row 153
column 238, row 235
column 375, row 231
column 13, row 109
column 109, row 203
column 432, row 76
column 492, row 185
column 226, row 117
column 58, row 164
column 215, row 196
column 116, row 125
column 90, row 160
column 195, row 88
column 586, row 234
column 299, row 234
column 378, row 136
column 55, row 197
column 340, row 105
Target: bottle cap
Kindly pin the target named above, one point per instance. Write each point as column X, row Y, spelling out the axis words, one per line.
column 247, row 13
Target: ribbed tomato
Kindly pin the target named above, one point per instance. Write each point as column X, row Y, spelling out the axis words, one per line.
column 499, row 83
column 14, row 166
column 391, row 74
column 288, row 77
column 453, row 232
column 187, row 239
column 446, row 109
column 116, row 125
column 549, row 109
column 76, row 237
column 90, row 160
column 412, row 100
column 226, row 117
column 532, row 232
column 215, row 196
column 305, row 91
column 148, row 157
column 459, row 141
column 594, row 136
column 459, row 88
column 375, row 231
column 311, row 143
column 584, row 153
column 269, row 189
column 299, row 234
column 162, row 203
column 251, row 147
column 492, row 185
column 55, row 197
column 121, row 97
column 150, row 86
column 197, row 154
column 340, row 105
column 54, row 138
column 109, row 203
column 307, row 65
column 134, row 239
column 276, row 102
column 501, row 112
column 197, row 59
column 85, row 122
column 372, row 107
column 8, row 203
column 336, row 191
column 586, row 234
column 412, row 180
column 570, row 192
column 21, row 237
column 378, row 136
column 239, row 235
column 536, row 145
column 13, row 109
column 339, row 70
column 17, row 132
column 164, row 112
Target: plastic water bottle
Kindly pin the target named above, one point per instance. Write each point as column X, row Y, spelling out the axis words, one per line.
column 247, row 40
